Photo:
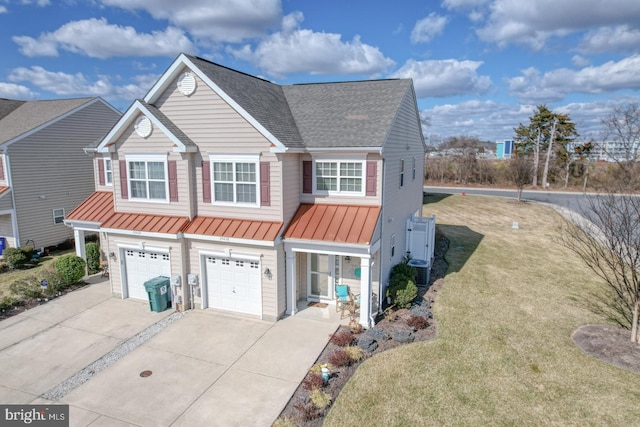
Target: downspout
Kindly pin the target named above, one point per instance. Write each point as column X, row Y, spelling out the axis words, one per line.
column 14, row 216
column 381, row 297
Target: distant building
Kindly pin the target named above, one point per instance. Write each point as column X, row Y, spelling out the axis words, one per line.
column 505, row 149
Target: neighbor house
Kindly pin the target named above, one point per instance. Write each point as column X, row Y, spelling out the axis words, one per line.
column 256, row 198
column 44, row 172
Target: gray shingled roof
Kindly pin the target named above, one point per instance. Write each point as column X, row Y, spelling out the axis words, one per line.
column 175, row 130
column 348, row 114
column 263, row 100
column 32, row 114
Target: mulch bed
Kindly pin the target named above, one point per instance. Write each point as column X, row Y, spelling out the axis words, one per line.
column 294, row 410
column 610, row 344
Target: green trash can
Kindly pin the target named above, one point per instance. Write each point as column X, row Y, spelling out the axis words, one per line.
column 158, row 292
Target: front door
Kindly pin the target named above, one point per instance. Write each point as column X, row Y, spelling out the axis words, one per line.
column 320, row 277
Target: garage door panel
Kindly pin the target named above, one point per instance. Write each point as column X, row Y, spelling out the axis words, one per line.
column 233, row 285
column 142, row 266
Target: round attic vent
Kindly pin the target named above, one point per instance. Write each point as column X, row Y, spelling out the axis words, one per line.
column 143, row 126
column 187, row 83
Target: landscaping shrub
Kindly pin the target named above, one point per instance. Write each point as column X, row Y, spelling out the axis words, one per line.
column 402, row 290
column 342, row 338
column 340, row 357
column 284, row 422
column 320, row 399
column 27, row 288
column 71, row 268
column 3, row 266
column 404, row 269
column 55, row 281
column 307, row 411
column 7, row 302
column 15, row 258
column 418, row 322
column 28, row 252
column 355, row 353
column 312, row 381
column 93, row 257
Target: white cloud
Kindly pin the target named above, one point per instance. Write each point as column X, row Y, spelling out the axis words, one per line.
column 221, row 20
column 427, row 28
column 447, row 77
column 621, row 38
column 3, row 9
column 463, row 4
column 295, row 50
column 14, row 91
column 40, row 3
column 64, row 84
column 555, row 84
column 99, row 39
column 580, row 61
column 533, row 22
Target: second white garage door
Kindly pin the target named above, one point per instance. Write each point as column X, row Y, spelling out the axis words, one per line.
column 142, row 266
column 234, row 285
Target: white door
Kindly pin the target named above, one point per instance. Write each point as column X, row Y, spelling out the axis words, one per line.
column 142, row 266
column 234, row 285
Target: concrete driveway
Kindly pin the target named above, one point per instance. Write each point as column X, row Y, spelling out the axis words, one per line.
column 206, row 368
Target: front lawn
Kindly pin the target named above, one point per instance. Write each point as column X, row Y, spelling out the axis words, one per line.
column 503, row 355
column 8, row 277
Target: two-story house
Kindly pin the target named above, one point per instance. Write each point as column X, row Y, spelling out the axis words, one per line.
column 256, row 197
column 44, row 173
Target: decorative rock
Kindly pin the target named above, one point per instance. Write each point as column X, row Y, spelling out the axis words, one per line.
column 367, row 343
column 421, row 310
column 377, row 334
column 402, row 336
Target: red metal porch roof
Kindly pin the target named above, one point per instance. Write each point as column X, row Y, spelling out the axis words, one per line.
column 334, row 223
column 234, row 228
column 164, row 224
column 98, row 207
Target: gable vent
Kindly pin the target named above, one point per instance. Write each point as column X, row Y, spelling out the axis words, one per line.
column 143, row 126
column 187, row 84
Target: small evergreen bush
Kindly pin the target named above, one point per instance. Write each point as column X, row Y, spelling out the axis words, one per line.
column 15, row 258
column 71, row 268
column 402, row 290
column 404, row 269
column 93, row 257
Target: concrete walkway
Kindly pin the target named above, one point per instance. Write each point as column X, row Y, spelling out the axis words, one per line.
column 206, row 368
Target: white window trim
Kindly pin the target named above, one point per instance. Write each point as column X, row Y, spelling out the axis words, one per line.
column 58, row 216
column 148, row 158
column 363, row 182
column 104, row 160
column 235, row 158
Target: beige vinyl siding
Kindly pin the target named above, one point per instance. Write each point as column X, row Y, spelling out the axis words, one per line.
column 268, row 258
column 115, row 244
column 291, row 185
column 96, row 173
column 303, row 269
column 51, row 171
column 157, row 143
column 400, row 203
column 344, row 199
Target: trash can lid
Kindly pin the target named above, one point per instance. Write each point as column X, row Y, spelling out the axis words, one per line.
column 156, row 282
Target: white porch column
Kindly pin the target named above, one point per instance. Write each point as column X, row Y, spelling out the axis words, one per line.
column 78, row 236
column 292, row 286
column 365, row 292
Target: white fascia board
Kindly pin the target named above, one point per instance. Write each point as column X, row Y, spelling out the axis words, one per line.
column 7, row 212
column 332, row 248
column 49, row 123
column 176, row 68
column 126, row 120
column 141, row 233
column 266, row 243
column 83, row 225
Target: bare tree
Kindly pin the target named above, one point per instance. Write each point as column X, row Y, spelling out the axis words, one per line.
column 520, row 171
column 607, row 239
column 622, row 127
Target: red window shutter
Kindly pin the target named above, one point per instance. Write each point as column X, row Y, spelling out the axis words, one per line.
column 124, row 192
column 307, row 176
column 1, row 169
column 372, row 178
column 173, row 180
column 101, row 171
column 206, row 181
column 265, row 184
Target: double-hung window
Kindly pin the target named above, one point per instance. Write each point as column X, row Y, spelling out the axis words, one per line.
column 58, row 216
column 148, row 178
column 108, row 172
column 235, row 180
column 339, row 177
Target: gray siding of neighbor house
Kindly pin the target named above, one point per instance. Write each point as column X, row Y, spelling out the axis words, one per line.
column 404, row 143
column 51, row 171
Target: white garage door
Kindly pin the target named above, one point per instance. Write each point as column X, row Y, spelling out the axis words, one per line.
column 234, row 285
column 142, row 266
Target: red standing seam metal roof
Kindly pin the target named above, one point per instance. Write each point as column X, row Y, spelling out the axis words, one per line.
column 98, row 207
column 234, row 228
column 334, row 223
column 164, row 224
column 3, row 189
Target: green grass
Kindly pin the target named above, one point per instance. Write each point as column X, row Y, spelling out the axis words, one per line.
column 503, row 354
column 7, row 278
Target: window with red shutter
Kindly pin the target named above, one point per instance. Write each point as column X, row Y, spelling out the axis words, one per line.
column 307, row 176
column 124, row 192
column 372, row 177
column 265, row 184
column 206, row 181
column 173, row 180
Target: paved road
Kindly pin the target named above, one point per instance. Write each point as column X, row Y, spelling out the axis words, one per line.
column 571, row 200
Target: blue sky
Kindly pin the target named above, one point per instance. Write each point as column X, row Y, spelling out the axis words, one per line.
column 480, row 67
